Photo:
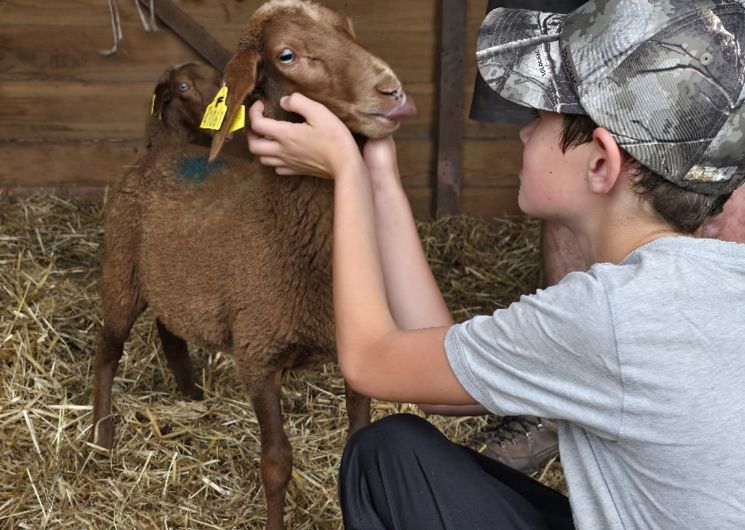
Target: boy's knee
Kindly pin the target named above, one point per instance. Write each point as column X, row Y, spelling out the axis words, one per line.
column 391, row 430
column 387, row 439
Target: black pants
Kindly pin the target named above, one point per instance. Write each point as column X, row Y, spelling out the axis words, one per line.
column 402, row 473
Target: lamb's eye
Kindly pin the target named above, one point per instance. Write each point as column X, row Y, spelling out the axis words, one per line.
column 183, row 87
column 286, row 56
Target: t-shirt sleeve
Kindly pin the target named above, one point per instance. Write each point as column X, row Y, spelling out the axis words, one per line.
column 551, row 354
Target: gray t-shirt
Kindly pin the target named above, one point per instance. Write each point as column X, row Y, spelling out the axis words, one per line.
column 642, row 364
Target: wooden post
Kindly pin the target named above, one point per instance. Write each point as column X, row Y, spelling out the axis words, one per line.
column 450, row 137
column 191, row 32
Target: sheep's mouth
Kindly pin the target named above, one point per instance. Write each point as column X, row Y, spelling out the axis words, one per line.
column 379, row 116
column 393, row 117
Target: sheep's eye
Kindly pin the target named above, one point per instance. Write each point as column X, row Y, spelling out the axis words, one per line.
column 183, row 87
column 287, row 56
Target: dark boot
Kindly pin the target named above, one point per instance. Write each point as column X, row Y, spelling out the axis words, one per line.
column 524, row 443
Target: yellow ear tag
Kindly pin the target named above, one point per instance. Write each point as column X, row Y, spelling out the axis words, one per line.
column 239, row 121
column 214, row 114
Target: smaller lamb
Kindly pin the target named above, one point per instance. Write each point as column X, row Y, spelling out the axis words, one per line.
column 180, row 97
column 227, row 254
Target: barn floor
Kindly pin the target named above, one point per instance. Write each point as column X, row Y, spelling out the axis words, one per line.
column 176, row 463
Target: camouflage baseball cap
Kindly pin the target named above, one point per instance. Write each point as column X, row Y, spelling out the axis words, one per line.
column 665, row 77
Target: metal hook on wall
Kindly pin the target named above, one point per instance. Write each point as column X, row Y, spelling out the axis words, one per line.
column 116, row 24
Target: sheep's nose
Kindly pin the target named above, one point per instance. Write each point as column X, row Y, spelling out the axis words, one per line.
column 396, row 92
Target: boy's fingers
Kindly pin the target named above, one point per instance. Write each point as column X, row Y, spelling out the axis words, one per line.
column 264, row 126
column 272, row 161
column 259, row 106
column 260, row 146
column 299, row 104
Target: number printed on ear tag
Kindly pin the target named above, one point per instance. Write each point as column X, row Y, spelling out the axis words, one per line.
column 214, row 114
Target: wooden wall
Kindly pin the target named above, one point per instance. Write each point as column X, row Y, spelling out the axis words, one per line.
column 71, row 118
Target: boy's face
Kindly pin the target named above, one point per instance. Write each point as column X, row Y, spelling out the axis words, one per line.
column 551, row 182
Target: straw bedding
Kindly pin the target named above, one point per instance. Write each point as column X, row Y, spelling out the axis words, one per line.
column 176, row 463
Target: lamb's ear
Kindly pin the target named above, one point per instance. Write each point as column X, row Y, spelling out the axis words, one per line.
column 162, row 94
column 240, row 78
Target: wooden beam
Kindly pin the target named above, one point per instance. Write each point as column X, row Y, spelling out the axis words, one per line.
column 451, row 122
column 191, row 32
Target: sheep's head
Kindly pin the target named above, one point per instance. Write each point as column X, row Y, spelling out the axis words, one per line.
column 300, row 46
column 182, row 93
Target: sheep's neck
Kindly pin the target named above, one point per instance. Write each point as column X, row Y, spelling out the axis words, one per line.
column 301, row 210
column 302, row 206
column 156, row 134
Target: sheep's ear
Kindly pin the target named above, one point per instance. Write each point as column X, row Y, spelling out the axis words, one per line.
column 162, row 94
column 240, row 78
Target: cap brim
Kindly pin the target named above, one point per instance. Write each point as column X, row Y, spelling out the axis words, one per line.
column 518, row 54
column 488, row 106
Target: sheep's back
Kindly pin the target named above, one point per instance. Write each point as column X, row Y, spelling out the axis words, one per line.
column 219, row 266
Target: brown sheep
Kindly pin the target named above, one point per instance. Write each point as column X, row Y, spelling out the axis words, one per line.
column 179, row 99
column 227, row 254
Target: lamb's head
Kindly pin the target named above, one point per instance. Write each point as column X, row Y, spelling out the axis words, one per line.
column 182, row 93
column 300, row 46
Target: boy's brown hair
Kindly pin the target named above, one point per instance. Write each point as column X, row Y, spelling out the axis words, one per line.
column 685, row 210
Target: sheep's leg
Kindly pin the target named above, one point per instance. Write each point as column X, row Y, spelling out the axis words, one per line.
column 117, row 322
column 276, row 452
column 179, row 361
column 358, row 409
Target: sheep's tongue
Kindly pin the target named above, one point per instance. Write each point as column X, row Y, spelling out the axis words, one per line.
column 407, row 110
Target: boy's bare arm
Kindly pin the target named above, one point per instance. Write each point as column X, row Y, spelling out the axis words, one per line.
column 413, row 295
column 454, row 410
column 377, row 357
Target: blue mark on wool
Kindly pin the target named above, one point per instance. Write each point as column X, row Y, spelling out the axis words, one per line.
column 198, row 169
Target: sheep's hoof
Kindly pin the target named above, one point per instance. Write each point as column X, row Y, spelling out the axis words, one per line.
column 103, row 435
column 195, row 393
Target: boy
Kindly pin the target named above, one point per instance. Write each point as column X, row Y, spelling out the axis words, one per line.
column 523, row 442
column 645, row 376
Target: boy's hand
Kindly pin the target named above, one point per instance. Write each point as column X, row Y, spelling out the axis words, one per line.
column 380, row 159
column 321, row 147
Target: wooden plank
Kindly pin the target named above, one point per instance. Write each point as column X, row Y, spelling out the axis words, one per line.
column 73, row 111
column 452, row 19
column 489, row 161
column 63, row 164
column 490, row 202
column 56, row 110
column 191, row 32
column 480, row 202
column 70, row 53
column 58, row 163
column 386, row 27
column 416, row 15
column 66, row 110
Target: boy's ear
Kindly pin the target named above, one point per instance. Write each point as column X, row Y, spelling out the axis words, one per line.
column 606, row 162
